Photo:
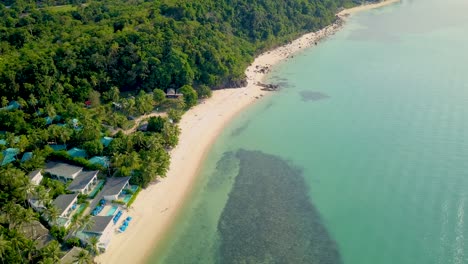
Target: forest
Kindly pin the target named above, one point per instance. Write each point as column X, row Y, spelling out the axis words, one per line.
column 73, row 72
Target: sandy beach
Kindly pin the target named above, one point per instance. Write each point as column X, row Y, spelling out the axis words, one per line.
column 156, row 207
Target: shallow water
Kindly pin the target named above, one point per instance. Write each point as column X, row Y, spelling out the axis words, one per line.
column 376, row 160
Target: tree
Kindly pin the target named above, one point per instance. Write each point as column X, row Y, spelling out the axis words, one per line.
column 4, row 101
column 144, row 103
column 93, row 148
column 50, row 110
column 204, row 91
column 51, row 213
column 112, row 95
column 175, row 115
column 95, row 98
column 128, row 106
column 51, row 251
column 93, row 245
column 22, row 143
column 22, row 103
column 33, row 101
column 170, row 134
column 190, row 95
column 4, row 247
column 83, row 257
column 156, row 124
column 159, row 96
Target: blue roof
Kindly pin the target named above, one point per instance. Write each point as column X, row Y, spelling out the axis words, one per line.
column 9, row 155
column 26, row 156
column 48, row 120
column 101, row 160
column 106, row 141
column 11, row 106
column 57, row 147
column 77, row 153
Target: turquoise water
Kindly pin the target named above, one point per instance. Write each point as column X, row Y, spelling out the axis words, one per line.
column 93, row 193
column 112, row 210
column 127, row 198
column 370, row 138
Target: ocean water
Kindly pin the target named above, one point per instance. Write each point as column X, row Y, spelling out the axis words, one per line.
column 361, row 158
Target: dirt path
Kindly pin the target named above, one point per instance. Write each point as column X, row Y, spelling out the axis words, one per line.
column 138, row 121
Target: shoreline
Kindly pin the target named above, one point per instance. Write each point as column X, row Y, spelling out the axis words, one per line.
column 157, row 206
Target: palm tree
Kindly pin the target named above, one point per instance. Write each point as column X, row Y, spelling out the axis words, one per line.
column 30, row 249
column 42, row 195
column 93, row 245
column 4, row 247
column 86, row 222
column 51, row 213
column 50, row 109
column 80, row 223
column 17, row 243
column 83, row 257
column 47, row 261
column 138, row 138
column 52, row 251
column 33, row 101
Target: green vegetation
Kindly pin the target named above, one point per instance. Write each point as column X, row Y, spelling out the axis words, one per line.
column 133, row 197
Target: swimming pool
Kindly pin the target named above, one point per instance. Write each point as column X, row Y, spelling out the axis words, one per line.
column 93, row 193
column 112, row 210
column 127, row 198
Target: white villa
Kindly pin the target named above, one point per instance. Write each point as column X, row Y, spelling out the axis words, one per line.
column 84, row 182
column 66, row 204
column 35, row 177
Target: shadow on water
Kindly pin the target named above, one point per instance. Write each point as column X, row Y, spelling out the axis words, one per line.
column 269, row 218
column 307, row 96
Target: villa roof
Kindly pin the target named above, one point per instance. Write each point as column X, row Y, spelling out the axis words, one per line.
column 101, row 160
column 57, row 147
column 100, row 224
column 63, row 201
column 106, row 141
column 36, row 231
column 9, row 155
column 114, row 185
column 34, row 173
column 62, row 169
column 26, row 156
column 83, row 179
column 77, row 152
column 71, row 255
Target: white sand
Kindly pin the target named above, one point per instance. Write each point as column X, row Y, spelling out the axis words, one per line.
column 156, row 207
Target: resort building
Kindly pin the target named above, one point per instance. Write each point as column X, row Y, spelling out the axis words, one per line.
column 63, row 171
column 103, row 227
column 84, row 182
column 114, row 187
column 66, row 204
column 35, row 177
column 36, row 231
column 171, row 93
